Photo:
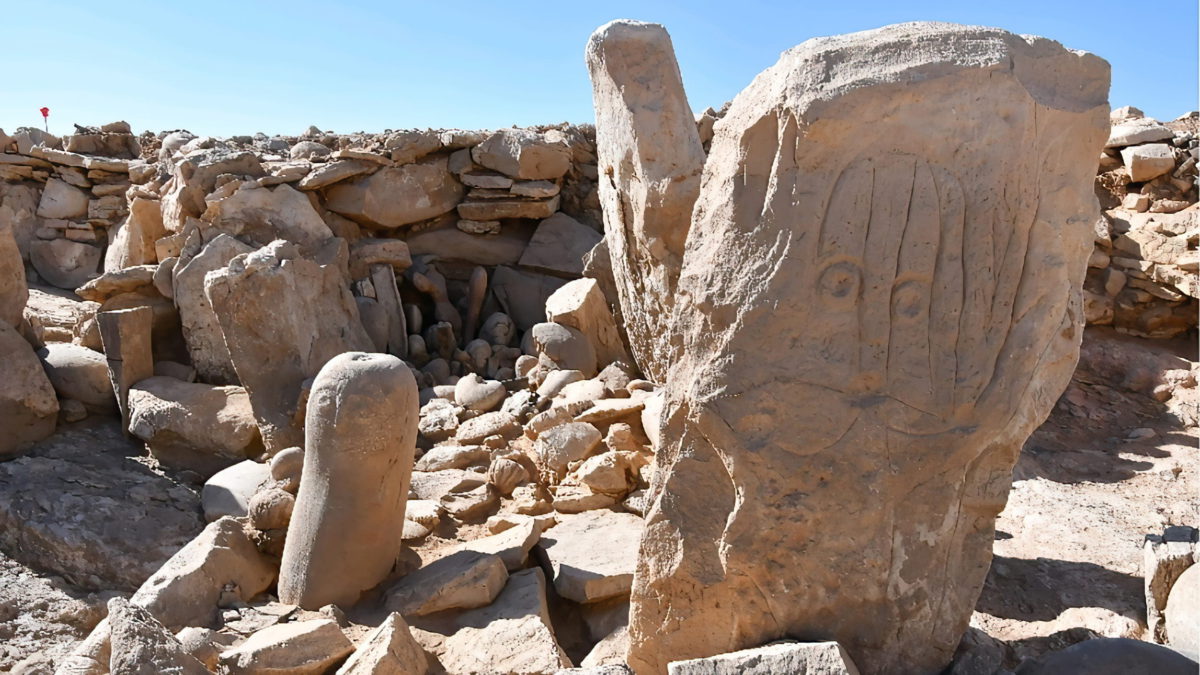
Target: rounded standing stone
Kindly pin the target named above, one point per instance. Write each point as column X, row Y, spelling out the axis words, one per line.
column 360, row 434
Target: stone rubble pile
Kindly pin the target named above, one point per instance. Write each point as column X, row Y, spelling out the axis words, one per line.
column 1144, row 272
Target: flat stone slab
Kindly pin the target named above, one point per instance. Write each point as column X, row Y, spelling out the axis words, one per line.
column 817, row 658
column 593, row 554
column 80, row 505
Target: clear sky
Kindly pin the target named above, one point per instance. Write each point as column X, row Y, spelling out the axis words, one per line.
column 221, row 67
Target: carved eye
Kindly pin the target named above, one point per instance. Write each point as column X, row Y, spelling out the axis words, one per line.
column 839, row 283
column 908, row 299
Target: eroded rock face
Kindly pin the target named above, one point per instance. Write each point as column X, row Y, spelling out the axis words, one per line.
column 650, row 161
column 360, row 436
column 283, row 317
column 880, row 299
column 201, row 329
column 28, row 406
column 397, row 196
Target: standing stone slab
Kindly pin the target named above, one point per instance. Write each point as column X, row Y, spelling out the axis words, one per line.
column 883, row 282
column 383, row 278
column 283, row 317
column 650, row 159
column 201, row 329
column 360, row 436
column 126, row 337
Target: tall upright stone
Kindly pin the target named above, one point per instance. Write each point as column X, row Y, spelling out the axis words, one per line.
column 283, row 317
column 650, row 160
column 360, row 436
column 126, row 334
column 880, row 300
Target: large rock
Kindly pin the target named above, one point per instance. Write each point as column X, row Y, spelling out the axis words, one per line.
column 221, row 560
column 139, row 644
column 523, row 295
column 816, row 658
column 201, row 329
column 18, row 211
column 516, row 630
column 262, row 215
column 581, row 305
column 126, row 334
column 194, row 426
column 1110, row 656
column 883, row 279
column 593, row 554
column 283, row 317
column 133, row 239
column 360, row 436
column 193, row 178
column 28, row 406
column 62, row 201
column 14, row 292
column 80, row 374
column 64, row 263
column 228, row 491
column 461, row 580
column 296, row 648
column 80, row 506
column 648, row 146
column 388, row 650
column 1183, row 613
column 522, row 153
column 559, row 245
column 397, row 196
column 1148, row 161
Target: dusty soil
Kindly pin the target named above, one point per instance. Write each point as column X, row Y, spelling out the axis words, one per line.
column 1068, row 546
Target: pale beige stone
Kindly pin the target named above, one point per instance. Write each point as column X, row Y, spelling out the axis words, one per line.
column 833, row 346
column 581, row 305
column 297, row 648
column 388, row 650
column 28, row 406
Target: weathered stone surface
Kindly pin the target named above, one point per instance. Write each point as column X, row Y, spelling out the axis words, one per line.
column 189, row 425
column 283, row 317
column 593, row 554
column 28, row 406
column 516, row 629
column 262, row 215
column 228, row 491
column 18, row 211
column 648, row 145
column 522, row 153
column 360, row 436
column 201, row 329
column 133, row 239
column 370, row 251
column 461, row 580
column 559, row 245
column 565, row 346
column 127, row 350
column 388, row 650
column 815, row 658
column 1110, row 656
column 496, row 209
column 14, row 292
column 63, row 201
column 193, row 178
column 79, row 373
column 511, row 545
column 1135, row 131
column 397, row 196
column 78, row 506
column 448, row 242
column 557, row 447
column 444, row 457
column 65, row 263
column 333, row 172
column 296, row 648
column 186, row 590
column 136, row 279
column 139, row 644
column 475, row 393
column 1164, row 558
column 580, row 304
column 497, row 423
column 1148, row 161
column 859, row 189
column 1183, row 614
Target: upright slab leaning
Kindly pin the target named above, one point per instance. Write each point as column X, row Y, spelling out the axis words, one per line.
column 879, row 300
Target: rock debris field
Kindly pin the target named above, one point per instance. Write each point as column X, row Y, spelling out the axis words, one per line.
column 888, row 365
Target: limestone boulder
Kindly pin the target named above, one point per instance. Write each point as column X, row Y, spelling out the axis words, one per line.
column 1148, row 161
column 461, row 580
column 524, row 154
column 187, row 589
column 558, row 447
column 201, row 328
column 593, row 554
column 28, row 406
column 567, row 347
column 194, row 176
column 189, row 425
column 580, row 304
column 14, row 290
column 397, row 196
column 79, row 373
column 132, row 241
column 228, row 491
column 360, row 437
column 18, row 211
column 283, row 317
column 388, row 650
column 1137, row 130
column 648, row 145
column 262, row 215
column 138, row 644
column 475, row 393
column 62, row 201
column 843, row 196
column 299, row 648
column 64, row 263
column 1183, row 613
column 559, row 245
column 522, row 294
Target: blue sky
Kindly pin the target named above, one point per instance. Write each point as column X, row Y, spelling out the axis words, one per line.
column 220, row 68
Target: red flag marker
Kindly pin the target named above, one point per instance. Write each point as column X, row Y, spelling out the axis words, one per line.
column 46, row 118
